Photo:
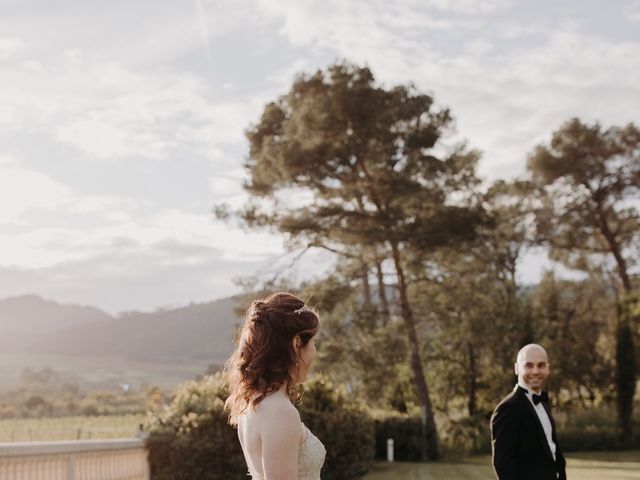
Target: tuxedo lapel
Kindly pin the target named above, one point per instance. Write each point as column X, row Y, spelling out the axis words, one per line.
column 539, row 428
column 553, row 422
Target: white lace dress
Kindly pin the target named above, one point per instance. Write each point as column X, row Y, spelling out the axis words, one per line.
column 310, row 458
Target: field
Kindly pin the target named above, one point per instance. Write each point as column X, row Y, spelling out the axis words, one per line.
column 97, row 371
column 581, row 466
column 69, row 428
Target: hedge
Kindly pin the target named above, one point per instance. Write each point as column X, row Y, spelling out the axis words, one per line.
column 343, row 426
column 191, row 438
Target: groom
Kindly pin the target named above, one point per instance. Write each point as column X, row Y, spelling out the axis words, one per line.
column 523, row 433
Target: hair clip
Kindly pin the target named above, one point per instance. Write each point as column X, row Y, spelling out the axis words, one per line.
column 303, row 308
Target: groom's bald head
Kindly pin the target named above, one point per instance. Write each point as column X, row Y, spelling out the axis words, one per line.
column 532, row 366
column 531, row 350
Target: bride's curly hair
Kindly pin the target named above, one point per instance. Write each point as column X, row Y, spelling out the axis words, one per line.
column 265, row 359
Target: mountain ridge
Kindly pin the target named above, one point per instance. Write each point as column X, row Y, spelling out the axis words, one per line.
column 198, row 331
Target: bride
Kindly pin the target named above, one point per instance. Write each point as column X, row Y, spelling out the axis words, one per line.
column 275, row 351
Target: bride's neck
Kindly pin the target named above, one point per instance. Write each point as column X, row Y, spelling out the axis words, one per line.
column 284, row 390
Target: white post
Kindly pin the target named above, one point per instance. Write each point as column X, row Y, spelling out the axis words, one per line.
column 389, row 449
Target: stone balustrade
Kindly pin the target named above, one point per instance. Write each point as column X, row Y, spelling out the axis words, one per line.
column 117, row 459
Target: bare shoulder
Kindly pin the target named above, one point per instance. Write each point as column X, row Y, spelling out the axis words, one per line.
column 280, row 433
column 279, row 408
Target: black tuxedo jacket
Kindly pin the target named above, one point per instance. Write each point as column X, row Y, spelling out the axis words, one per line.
column 520, row 447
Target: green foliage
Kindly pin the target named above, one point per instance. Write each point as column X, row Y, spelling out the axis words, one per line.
column 563, row 309
column 69, row 428
column 461, row 436
column 191, row 438
column 44, row 393
column 595, row 439
column 377, row 177
column 468, row 434
column 596, row 429
column 587, row 180
column 383, row 192
column 343, row 426
column 357, row 348
column 406, row 432
column 367, row 155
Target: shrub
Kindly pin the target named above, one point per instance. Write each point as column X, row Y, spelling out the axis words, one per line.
column 406, row 431
column 576, row 440
column 191, row 438
column 467, row 435
column 596, row 428
column 344, row 428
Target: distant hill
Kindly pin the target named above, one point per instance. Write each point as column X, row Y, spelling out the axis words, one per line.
column 198, row 332
column 32, row 314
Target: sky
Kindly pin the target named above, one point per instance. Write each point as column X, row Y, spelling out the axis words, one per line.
column 122, row 122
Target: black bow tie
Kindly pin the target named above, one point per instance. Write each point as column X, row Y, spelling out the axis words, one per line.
column 543, row 397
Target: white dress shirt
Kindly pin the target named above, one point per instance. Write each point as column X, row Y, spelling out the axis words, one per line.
column 544, row 419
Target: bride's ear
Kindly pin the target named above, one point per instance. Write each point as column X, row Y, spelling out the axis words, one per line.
column 296, row 343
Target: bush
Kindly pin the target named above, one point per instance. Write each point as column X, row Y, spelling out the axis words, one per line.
column 344, row 428
column 406, row 431
column 463, row 436
column 191, row 438
column 576, row 440
column 467, row 435
column 593, row 428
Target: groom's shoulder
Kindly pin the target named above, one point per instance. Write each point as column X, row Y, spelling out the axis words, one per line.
column 508, row 402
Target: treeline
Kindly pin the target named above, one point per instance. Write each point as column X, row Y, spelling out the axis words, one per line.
column 45, row 393
column 423, row 310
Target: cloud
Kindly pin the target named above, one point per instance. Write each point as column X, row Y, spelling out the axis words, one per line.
column 201, row 229
column 224, row 187
column 94, row 226
column 22, row 189
column 100, row 139
column 124, row 125
column 466, row 7
column 356, row 26
column 109, row 111
column 9, row 46
column 508, row 83
column 8, row 160
column 132, row 278
column 633, row 12
column 44, row 223
column 59, row 237
column 112, row 91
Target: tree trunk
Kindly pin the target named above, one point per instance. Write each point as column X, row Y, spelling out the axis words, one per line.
column 430, row 432
column 615, row 250
column 366, row 288
column 382, row 293
column 472, row 403
column 625, row 370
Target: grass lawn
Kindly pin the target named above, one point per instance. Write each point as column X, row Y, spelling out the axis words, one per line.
column 581, row 466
